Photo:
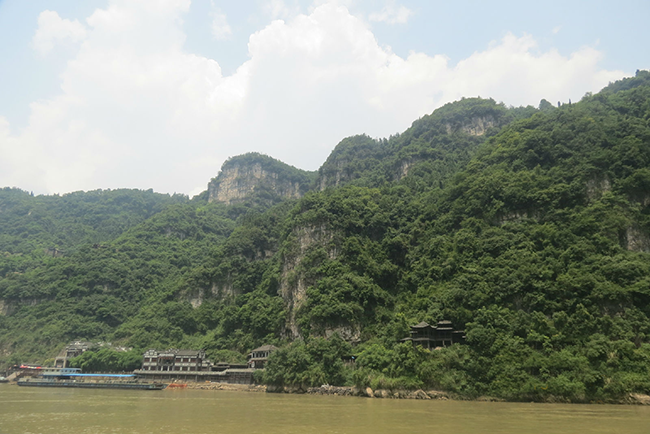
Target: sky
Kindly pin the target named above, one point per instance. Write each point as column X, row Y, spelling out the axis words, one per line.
column 106, row 94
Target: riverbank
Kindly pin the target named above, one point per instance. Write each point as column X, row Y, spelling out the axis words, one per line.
column 630, row 399
column 226, row 386
column 325, row 390
column 379, row 393
column 322, row 390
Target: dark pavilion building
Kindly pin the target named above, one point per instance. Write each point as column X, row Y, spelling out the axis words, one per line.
column 442, row 335
column 259, row 356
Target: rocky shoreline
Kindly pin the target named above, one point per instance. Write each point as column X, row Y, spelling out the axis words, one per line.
column 226, row 386
column 324, row 390
column 378, row 393
column 631, row 399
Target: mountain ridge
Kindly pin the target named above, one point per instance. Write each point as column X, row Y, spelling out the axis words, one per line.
column 532, row 236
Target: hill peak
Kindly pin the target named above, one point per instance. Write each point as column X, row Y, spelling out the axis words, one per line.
column 253, row 174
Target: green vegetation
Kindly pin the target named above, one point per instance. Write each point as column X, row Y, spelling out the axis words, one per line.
column 107, row 360
column 529, row 228
column 309, row 364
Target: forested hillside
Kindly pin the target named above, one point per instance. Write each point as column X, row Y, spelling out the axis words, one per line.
column 528, row 228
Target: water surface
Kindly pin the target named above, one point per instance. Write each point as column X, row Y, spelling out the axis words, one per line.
column 62, row 411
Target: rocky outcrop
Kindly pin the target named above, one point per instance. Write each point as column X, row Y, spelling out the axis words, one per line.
column 379, row 393
column 336, row 177
column 237, row 183
column 221, row 291
column 349, row 332
column 404, row 168
column 243, row 176
column 516, row 216
column 596, row 187
column 638, row 399
column 476, row 126
column 209, row 385
column 8, row 307
column 293, row 284
column 196, row 298
column 637, row 240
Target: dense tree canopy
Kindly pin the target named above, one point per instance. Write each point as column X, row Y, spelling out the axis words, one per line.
column 528, row 228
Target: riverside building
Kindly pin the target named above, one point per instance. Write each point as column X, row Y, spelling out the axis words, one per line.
column 441, row 335
column 176, row 360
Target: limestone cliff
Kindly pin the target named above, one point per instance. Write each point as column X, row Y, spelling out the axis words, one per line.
column 637, row 240
column 475, row 126
column 294, row 283
column 451, row 133
column 255, row 175
column 220, row 291
column 9, row 307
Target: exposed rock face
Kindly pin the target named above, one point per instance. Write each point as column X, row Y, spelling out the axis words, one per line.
column 256, row 174
column 596, row 187
column 326, row 389
column 221, row 291
column 293, row 285
column 349, row 333
column 516, row 216
column 636, row 240
column 477, row 126
column 404, row 168
column 335, row 179
column 196, row 300
column 237, row 182
column 8, row 307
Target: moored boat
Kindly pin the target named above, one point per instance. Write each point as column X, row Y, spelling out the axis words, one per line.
column 72, row 377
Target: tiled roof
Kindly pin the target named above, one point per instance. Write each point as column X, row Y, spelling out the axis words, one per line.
column 265, row 348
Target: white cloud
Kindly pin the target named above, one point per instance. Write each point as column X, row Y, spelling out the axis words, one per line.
column 556, row 30
column 277, row 9
column 513, row 72
column 392, row 14
column 138, row 111
column 52, row 30
column 220, row 27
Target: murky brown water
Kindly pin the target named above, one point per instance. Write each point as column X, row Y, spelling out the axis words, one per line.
column 61, row 411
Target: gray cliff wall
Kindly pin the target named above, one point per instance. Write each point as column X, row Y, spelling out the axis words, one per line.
column 237, row 182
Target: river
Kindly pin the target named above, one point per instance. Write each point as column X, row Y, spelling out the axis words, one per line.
column 87, row 411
